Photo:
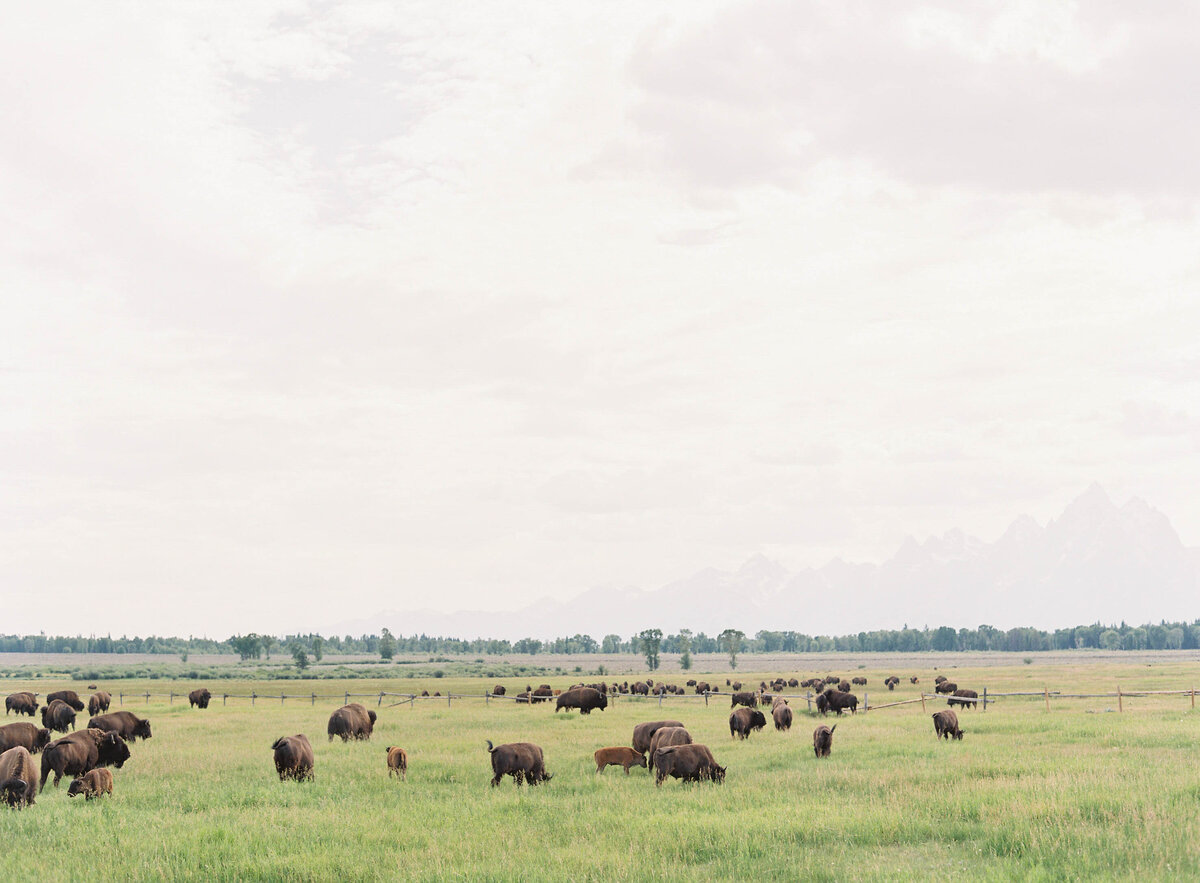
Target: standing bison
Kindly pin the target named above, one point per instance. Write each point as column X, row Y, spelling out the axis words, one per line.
column 498, row 690
column 521, row 760
column 746, row 698
column 397, row 761
column 823, row 740
column 891, row 682
column 29, row 736
column 583, row 698
column 743, row 721
column 690, row 763
column 782, row 716
column 293, row 757
column 125, row 724
column 99, row 702
column 962, row 697
column 946, row 687
column 643, row 733
column 840, row 700
column 18, row 777
column 199, row 698
column 21, row 703
column 58, row 716
column 945, row 725
column 351, row 721
column 91, row 784
column 618, row 756
column 79, row 752
column 665, row 736
column 68, row 696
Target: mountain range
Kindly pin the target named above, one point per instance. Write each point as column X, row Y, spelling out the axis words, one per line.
column 1096, row 562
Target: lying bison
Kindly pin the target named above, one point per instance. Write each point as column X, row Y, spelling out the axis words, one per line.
column 99, row 702
column 199, row 698
column 667, row 736
column 91, row 784
column 58, row 716
column 18, row 777
column 945, row 724
column 823, row 740
column 746, row 698
column 891, row 682
column 782, row 716
column 862, row 682
column 293, row 757
column 643, row 733
column 583, row 698
column 351, row 721
column 619, row 756
column 397, row 761
column 963, row 697
column 29, row 736
column 21, row 703
column 79, row 752
column 691, row 763
column 840, row 700
column 521, row 760
column 743, row 721
column 125, row 724
column 498, row 690
column 68, row 696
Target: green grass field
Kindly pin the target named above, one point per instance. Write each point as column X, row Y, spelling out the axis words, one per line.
column 1076, row 793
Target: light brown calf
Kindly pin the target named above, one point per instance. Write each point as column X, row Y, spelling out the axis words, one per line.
column 93, row 783
column 619, row 756
column 397, row 762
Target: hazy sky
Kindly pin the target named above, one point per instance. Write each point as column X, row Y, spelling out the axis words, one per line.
column 312, row 310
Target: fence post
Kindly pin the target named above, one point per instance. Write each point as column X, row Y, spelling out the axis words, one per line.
column 281, row 698
column 171, row 698
column 120, row 698
column 448, row 696
column 147, row 697
column 660, row 695
column 866, row 702
column 922, row 701
column 380, row 702
column 224, row 696
column 487, row 698
column 706, row 699
column 253, row 696
column 808, row 699
column 985, row 698
column 1120, row 703
column 347, row 702
column 1046, row 695
column 314, row 698
column 1193, row 697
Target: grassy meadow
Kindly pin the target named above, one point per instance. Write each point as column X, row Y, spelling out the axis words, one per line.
column 1079, row 792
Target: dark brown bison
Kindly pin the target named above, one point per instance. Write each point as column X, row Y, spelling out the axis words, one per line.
column 293, row 757
column 58, row 716
column 793, row 682
column 29, row 736
column 665, row 736
column 892, row 682
column 199, row 698
column 746, row 698
column 91, row 784
column 521, row 760
column 743, row 721
column 21, row 703
column 81, row 751
column 822, row 703
column 862, row 682
column 960, row 697
column 639, row 689
column 945, row 724
column 583, row 698
column 397, row 760
column 840, row 700
column 619, row 756
column 914, row 680
column 844, row 686
column 498, row 690
column 125, row 724
column 18, row 777
column 68, row 696
column 823, row 740
column 691, row 682
column 946, row 687
column 643, row 733
column 833, row 679
column 782, row 716
column 702, row 687
column 691, row 763
column 542, row 694
column 351, row 721
column 939, row 679
column 98, row 702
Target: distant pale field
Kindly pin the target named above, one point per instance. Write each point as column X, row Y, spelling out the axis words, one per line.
column 1073, row 793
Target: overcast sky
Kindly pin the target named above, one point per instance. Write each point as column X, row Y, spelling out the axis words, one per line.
column 313, row 310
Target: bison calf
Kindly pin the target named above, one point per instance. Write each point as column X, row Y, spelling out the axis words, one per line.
column 293, row 757
column 397, row 759
column 92, row 784
column 823, row 740
column 619, row 756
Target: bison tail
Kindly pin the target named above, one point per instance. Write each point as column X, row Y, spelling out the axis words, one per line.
column 491, row 747
column 831, row 729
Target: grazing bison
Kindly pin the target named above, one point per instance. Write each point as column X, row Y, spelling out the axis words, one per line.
column 58, row 716
column 665, row 736
column 745, row 720
column 619, row 756
column 68, row 696
column 844, row 686
column 914, row 680
column 199, row 698
column 862, row 682
column 293, row 757
column 81, row 751
column 961, row 697
column 583, row 698
column 498, row 690
column 840, row 700
column 91, row 784
column 521, row 760
column 18, row 777
column 21, row 703
column 945, row 723
column 542, row 694
column 833, row 679
column 823, row 740
column 782, row 715
column 351, row 721
column 822, row 703
column 946, row 687
column 643, row 733
column 793, row 682
column 397, row 759
column 29, row 736
column 98, row 702
column 639, row 689
column 125, row 724
column 691, row 763
column 748, row 699
column 939, row 679
column 702, row 687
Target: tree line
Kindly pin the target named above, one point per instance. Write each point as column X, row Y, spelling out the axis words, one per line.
column 649, row 642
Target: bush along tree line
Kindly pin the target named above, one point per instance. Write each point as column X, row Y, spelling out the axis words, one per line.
column 649, row 643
